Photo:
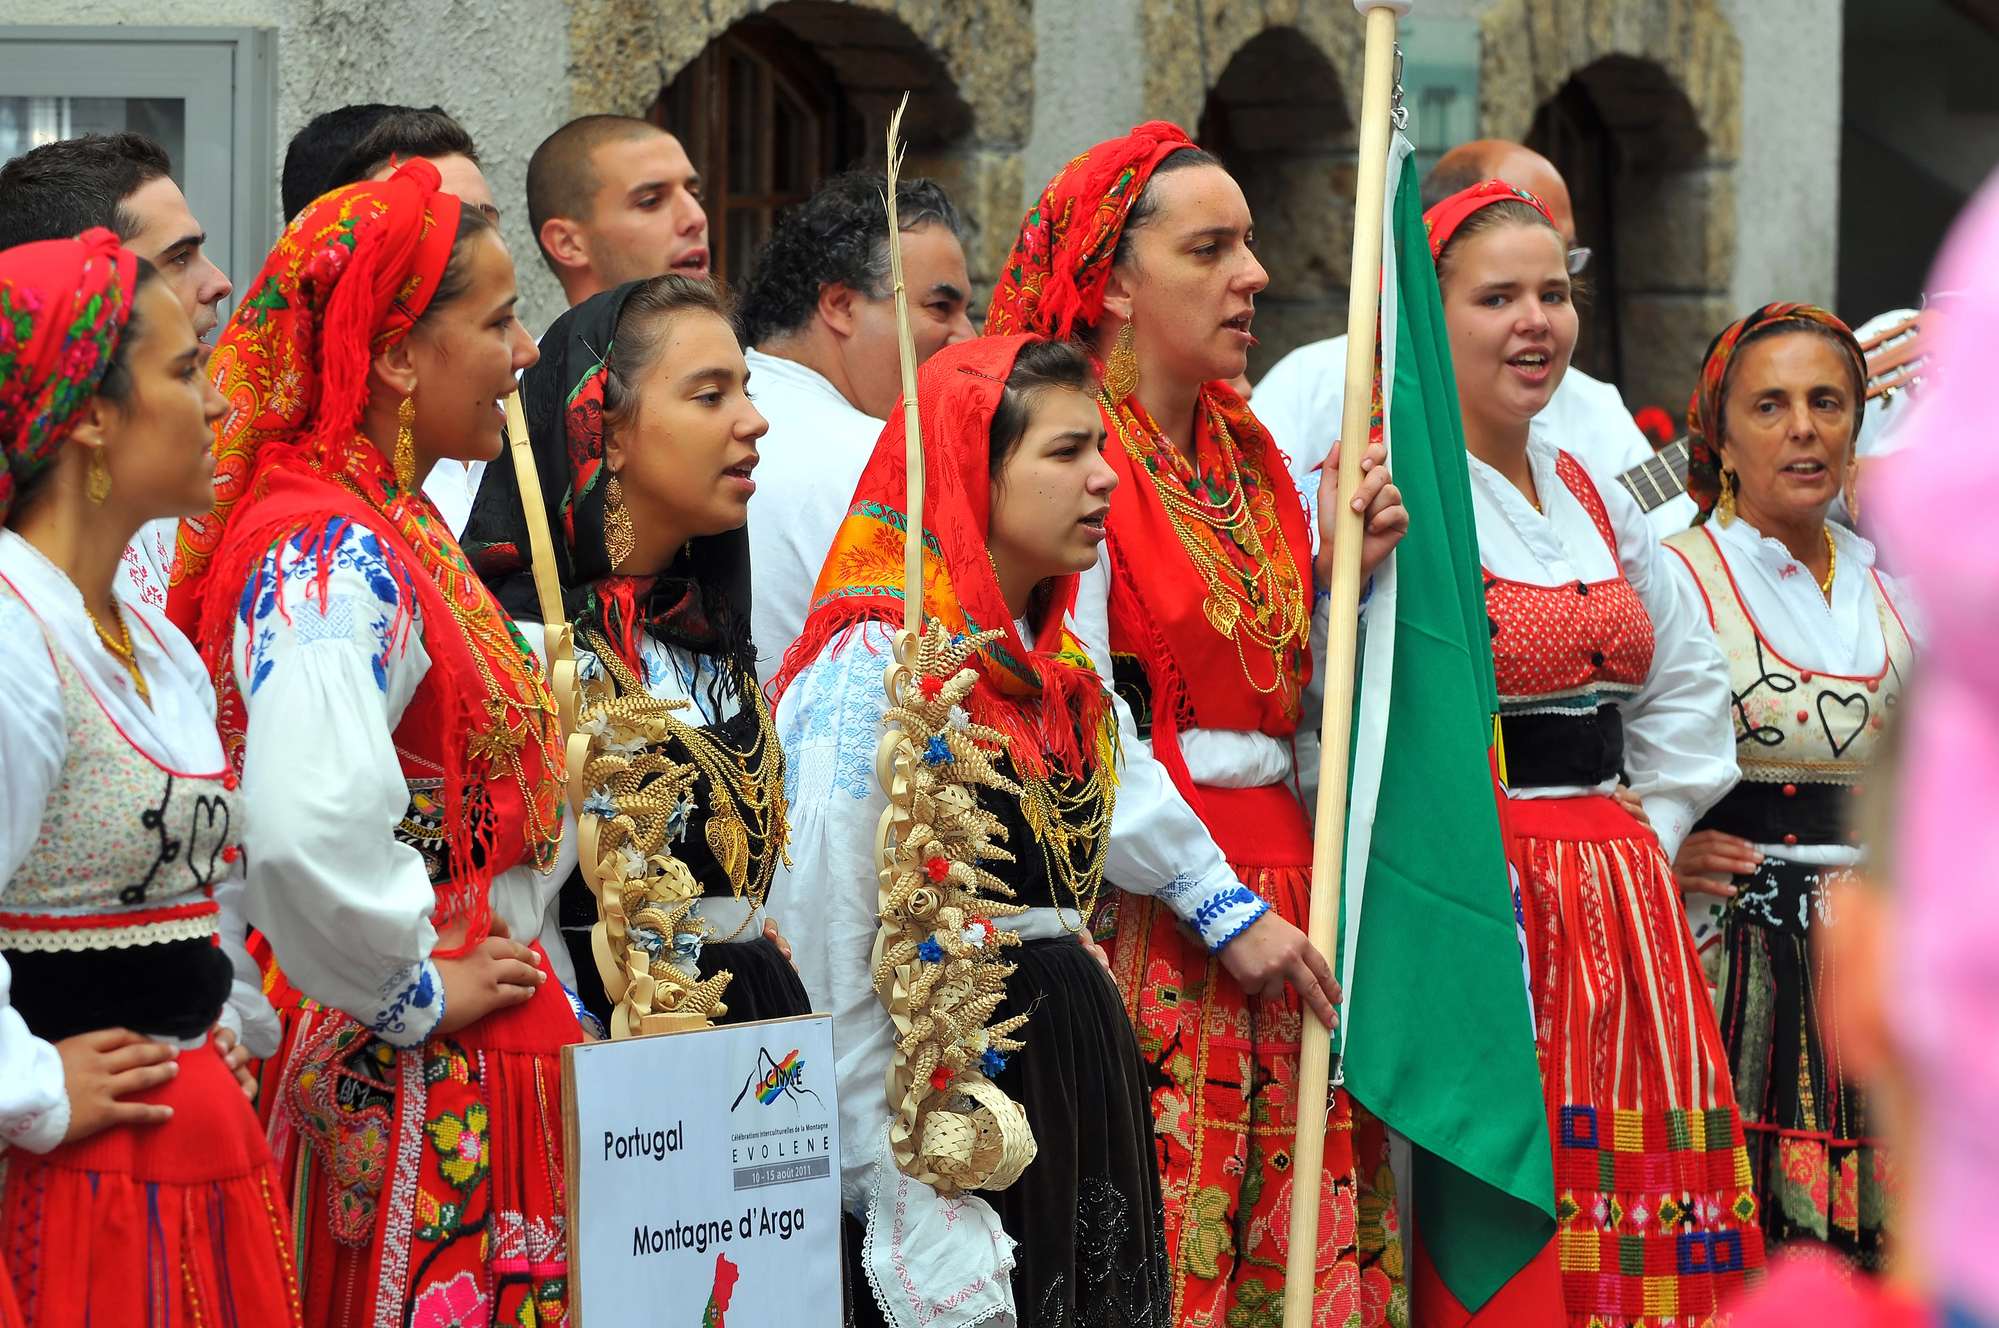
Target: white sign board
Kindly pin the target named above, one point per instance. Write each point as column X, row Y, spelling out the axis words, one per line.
column 705, row 1166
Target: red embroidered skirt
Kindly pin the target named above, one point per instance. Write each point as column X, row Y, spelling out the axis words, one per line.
column 1224, row 1115
column 427, row 1184
column 169, row 1226
column 1654, row 1202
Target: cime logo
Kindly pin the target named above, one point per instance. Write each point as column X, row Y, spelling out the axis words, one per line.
column 774, row 1078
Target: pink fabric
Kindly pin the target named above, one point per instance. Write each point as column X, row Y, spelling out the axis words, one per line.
column 1937, row 514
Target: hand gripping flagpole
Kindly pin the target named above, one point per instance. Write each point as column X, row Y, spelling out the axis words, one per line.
column 1342, row 636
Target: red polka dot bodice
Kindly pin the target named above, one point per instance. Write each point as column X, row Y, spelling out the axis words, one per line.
column 1573, row 640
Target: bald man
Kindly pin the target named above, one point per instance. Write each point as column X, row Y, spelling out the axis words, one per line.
column 1300, row 400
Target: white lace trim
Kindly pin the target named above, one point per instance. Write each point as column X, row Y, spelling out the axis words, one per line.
column 958, row 1284
column 75, row 940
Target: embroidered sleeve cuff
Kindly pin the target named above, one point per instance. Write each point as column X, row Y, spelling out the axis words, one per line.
column 42, row 1131
column 1217, row 907
column 412, row 1004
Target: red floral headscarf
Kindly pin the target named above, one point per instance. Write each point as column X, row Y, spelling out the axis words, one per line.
column 1443, row 220
column 1050, row 700
column 63, row 306
column 1704, row 411
column 348, row 279
column 1055, row 276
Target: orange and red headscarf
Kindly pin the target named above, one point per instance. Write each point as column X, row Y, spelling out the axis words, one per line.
column 349, row 278
column 63, row 308
column 1704, row 410
column 1050, row 700
column 1054, row 278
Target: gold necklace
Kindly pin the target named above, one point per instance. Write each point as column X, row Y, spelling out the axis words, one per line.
column 1831, row 566
column 122, row 651
column 1063, row 822
column 746, row 789
column 1269, row 606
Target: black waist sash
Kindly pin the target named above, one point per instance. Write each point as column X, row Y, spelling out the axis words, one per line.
column 167, row 989
column 1547, row 750
column 1767, row 814
column 1780, row 896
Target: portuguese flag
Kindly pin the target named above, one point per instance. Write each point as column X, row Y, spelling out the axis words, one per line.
column 1438, row 1037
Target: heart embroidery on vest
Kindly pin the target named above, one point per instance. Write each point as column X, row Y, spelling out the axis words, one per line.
column 1843, row 719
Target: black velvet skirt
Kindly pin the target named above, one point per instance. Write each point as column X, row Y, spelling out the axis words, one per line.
column 1086, row 1216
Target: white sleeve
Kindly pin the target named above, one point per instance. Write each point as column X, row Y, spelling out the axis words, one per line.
column 829, row 723
column 1158, row 845
column 1678, row 735
column 1300, row 401
column 34, row 1104
column 34, row 737
column 346, row 906
column 248, row 1012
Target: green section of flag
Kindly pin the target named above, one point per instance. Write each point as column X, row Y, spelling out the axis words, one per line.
column 1441, row 1044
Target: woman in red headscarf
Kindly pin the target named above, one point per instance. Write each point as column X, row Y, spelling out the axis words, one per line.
column 1141, row 249
column 1614, row 706
column 139, row 1188
column 394, row 732
column 1017, row 491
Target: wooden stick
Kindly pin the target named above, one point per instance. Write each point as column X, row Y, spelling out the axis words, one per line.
column 912, row 424
column 541, row 545
column 1329, row 843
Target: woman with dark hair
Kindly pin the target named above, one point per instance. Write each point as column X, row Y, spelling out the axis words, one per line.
column 398, row 739
column 1613, row 703
column 139, row 1187
column 1141, row 247
column 1016, row 493
column 1818, row 653
column 645, row 443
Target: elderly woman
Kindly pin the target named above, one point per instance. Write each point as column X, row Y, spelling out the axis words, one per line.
column 1818, row 650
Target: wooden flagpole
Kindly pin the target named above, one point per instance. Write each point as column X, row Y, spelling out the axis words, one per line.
column 1342, row 637
column 912, row 424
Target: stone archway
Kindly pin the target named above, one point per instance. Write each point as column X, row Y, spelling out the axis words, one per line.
column 1277, row 118
column 1662, row 79
column 969, row 61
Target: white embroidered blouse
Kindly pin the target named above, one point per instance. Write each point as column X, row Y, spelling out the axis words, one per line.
column 345, row 904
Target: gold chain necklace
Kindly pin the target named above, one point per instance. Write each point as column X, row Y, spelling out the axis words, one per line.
column 1831, row 566
column 1058, row 822
column 1269, row 606
column 746, row 798
column 122, row 650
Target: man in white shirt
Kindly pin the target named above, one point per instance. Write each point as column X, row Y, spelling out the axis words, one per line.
column 819, row 316
column 1301, row 399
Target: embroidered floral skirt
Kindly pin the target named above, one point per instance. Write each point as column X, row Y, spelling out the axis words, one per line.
column 1655, row 1205
column 1820, row 1173
column 427, row 1184
column 169, row 1226
column 1224, row 1067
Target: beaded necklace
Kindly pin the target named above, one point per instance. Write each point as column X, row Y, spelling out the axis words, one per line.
column 122, row 650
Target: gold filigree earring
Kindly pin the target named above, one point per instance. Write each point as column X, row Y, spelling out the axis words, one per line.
column 405, row 458
column 1121, row 367
column 97, row 478
column 618, row 537
column 1724, row 506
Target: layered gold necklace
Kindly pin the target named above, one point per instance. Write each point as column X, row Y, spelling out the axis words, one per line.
column 746, row 803
column 1261, row 604
column 1067, row 817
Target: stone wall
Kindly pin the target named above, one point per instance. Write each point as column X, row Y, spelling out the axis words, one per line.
column 497, row 65
column 1666, row 75
column 622, row 52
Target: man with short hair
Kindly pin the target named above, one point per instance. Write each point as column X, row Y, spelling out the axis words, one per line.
column 1300, row 400
column 120, row 181
column 316, row 150
column 819, row 315
column 432, row 135
column 613, row 199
